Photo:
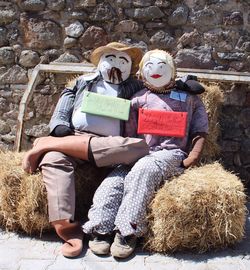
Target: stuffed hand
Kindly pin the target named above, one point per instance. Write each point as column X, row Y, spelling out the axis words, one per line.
column 194, row 155
column 191, row 160
column 61, row 131
column 190, row 84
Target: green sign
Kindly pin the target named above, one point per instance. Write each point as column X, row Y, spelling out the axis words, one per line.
column 105, row 105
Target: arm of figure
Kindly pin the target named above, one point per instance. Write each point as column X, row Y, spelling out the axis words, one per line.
column 75, row 146
column 132, row 124
column 61, row 118
column 197, row 146
column 130, row 87
column 198, row 132
column 61, row 131
column 190, row 84
column 63, row 111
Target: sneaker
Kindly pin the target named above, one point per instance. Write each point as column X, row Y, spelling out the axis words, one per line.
column 122, row 246
column 100, row 244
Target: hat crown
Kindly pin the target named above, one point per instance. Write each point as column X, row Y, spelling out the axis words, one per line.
column 116, row 45
column 134, row 52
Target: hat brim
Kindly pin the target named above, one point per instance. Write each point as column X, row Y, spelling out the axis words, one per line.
column 133, row 52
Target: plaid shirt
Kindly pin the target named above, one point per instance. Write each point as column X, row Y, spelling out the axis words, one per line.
column 71, row 98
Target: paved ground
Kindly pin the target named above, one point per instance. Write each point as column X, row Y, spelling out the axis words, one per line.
column 19, row 252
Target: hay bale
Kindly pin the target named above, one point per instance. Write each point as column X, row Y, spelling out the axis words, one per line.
column 212, row 99
column 32, row 206
column 23, row 203
column 9, row 189
column 23, row 198
column 204, row 208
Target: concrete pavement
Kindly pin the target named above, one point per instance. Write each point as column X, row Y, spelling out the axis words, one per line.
column 20, row 252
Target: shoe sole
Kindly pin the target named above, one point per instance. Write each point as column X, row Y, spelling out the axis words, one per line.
column 121, row 256
column 99, row 252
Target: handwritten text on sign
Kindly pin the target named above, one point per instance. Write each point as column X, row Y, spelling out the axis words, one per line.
column 105, row 105
column 163, row 123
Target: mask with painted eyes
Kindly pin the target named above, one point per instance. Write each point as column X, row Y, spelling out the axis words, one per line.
column 115, row 67
column 157, row 69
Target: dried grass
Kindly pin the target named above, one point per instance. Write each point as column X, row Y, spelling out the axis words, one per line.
column 202, row 209
column 71, row 81
column 23, row 202
column 32, row 207
column 212, row 99
column 9, row 189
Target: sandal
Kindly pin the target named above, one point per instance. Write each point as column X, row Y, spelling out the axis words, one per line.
column 72, row 234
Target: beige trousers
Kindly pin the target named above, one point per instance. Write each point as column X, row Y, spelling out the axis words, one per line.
column 58, row 170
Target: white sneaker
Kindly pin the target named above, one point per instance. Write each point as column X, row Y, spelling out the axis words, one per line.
column 122, row 246
column 100, row 244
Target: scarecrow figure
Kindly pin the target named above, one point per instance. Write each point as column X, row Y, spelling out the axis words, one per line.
column 171, row 121
column 116, row 64
column 63, row 152
column 78, row 129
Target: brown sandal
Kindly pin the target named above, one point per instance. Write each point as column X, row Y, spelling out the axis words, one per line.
column 72, row 234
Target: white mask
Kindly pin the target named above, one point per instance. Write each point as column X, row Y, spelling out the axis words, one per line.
column 120, row 62
column 157, row 72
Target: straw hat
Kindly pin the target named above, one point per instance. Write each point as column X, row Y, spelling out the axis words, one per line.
column 134, row 52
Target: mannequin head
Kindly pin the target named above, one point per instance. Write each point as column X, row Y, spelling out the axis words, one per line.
column 115, row 66
column 157, row 68
column 116, row 61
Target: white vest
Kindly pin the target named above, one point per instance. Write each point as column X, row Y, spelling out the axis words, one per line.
column 100, row 125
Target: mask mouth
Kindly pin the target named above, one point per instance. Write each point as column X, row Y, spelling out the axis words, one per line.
column 156, row 76
column 115, row 74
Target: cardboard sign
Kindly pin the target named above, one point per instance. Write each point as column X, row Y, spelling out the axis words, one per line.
column 163, row 123
column 105, row 105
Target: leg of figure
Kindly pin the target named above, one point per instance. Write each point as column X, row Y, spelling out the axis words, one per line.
column 114, row 150
column 140, row 185
column 106, row 202
column 75, row 146
column 58, row 175
column 106, row 151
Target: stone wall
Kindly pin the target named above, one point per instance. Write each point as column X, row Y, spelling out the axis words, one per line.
column 235, row 129
column 206, row 34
